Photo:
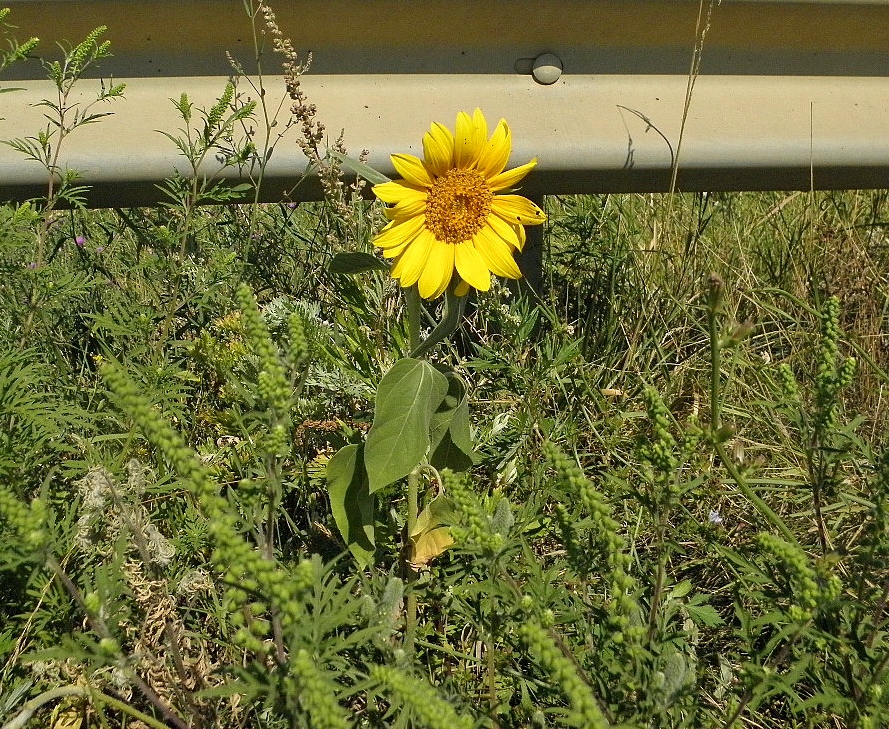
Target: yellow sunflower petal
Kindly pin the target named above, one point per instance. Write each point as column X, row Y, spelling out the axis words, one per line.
column 506, row 231
column 411, row 263
column 407, row 209
column 517, row 210
column 496, row 151
column 471, row 266
column 511, row 178
column 469, row 139
column 438, row 149
column 462, row 288
column 522, row 236
column 438, row 272
column 481, row 130
column 496, row 254
column 397, row 249
column 411, row 169
column 396, row 233
column 397, row 191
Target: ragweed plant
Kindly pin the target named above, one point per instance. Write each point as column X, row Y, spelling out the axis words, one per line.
column 263, row 599
column 64, row 116
column 14, row 51
column 827, row 441
column 211, row 135
column 44, row 292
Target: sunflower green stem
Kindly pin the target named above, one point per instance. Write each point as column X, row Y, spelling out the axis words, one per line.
column 410, row 617
column 454, row 306
column 414, row 311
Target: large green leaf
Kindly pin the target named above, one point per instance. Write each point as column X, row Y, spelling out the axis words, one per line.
column 450, row 437
column 351, row 502
column 407, row 398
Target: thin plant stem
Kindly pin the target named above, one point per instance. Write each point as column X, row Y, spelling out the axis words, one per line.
column 269, row 119
column 410, row 616
column 101, row 629
column 492, row 679
column 715, row 370
column 414, row 310
column 761, row 506
column 27, row 711
column 715, row 425
column 817, row 473
column 660, row 579
column 273, row 469
column 702, row 26
column 491, row 661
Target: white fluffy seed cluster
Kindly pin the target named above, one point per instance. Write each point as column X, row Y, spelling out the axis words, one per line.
column 109, row 509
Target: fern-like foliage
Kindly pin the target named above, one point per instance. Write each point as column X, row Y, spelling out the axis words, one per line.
column 36, row 423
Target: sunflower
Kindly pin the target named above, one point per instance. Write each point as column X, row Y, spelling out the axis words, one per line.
column 448, row 216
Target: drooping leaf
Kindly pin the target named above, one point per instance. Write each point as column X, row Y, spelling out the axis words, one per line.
column 427, row 546
column 437, row 512
column 356, row 262
column 448, row 455
column 351, row 502
column 450, row 436
column 430, row 537
column 407, row 398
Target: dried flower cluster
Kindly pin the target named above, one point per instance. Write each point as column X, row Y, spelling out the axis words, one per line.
column 111, row 510
column 313, row 132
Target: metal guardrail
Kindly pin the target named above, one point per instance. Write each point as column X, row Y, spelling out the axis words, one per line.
column 790, row 94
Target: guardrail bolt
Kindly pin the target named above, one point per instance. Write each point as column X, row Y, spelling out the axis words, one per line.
column 547, row 68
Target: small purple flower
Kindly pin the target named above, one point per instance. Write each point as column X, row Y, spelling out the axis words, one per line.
column 80, row 241
column 714, row 517
column 32, row 265
column 99, row 249
column 292, row 205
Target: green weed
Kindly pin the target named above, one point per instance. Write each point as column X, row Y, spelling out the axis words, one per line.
column 675, row 515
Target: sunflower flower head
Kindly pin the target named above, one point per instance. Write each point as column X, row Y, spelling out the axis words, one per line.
column 449, row 216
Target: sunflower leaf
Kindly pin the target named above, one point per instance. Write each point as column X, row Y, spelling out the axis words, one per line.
column 408, row 396
column 356, row 262
column 450, row 437
column 431, row 537
column 351, row 502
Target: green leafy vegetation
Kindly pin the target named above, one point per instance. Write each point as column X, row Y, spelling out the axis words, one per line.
column 236, row 490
